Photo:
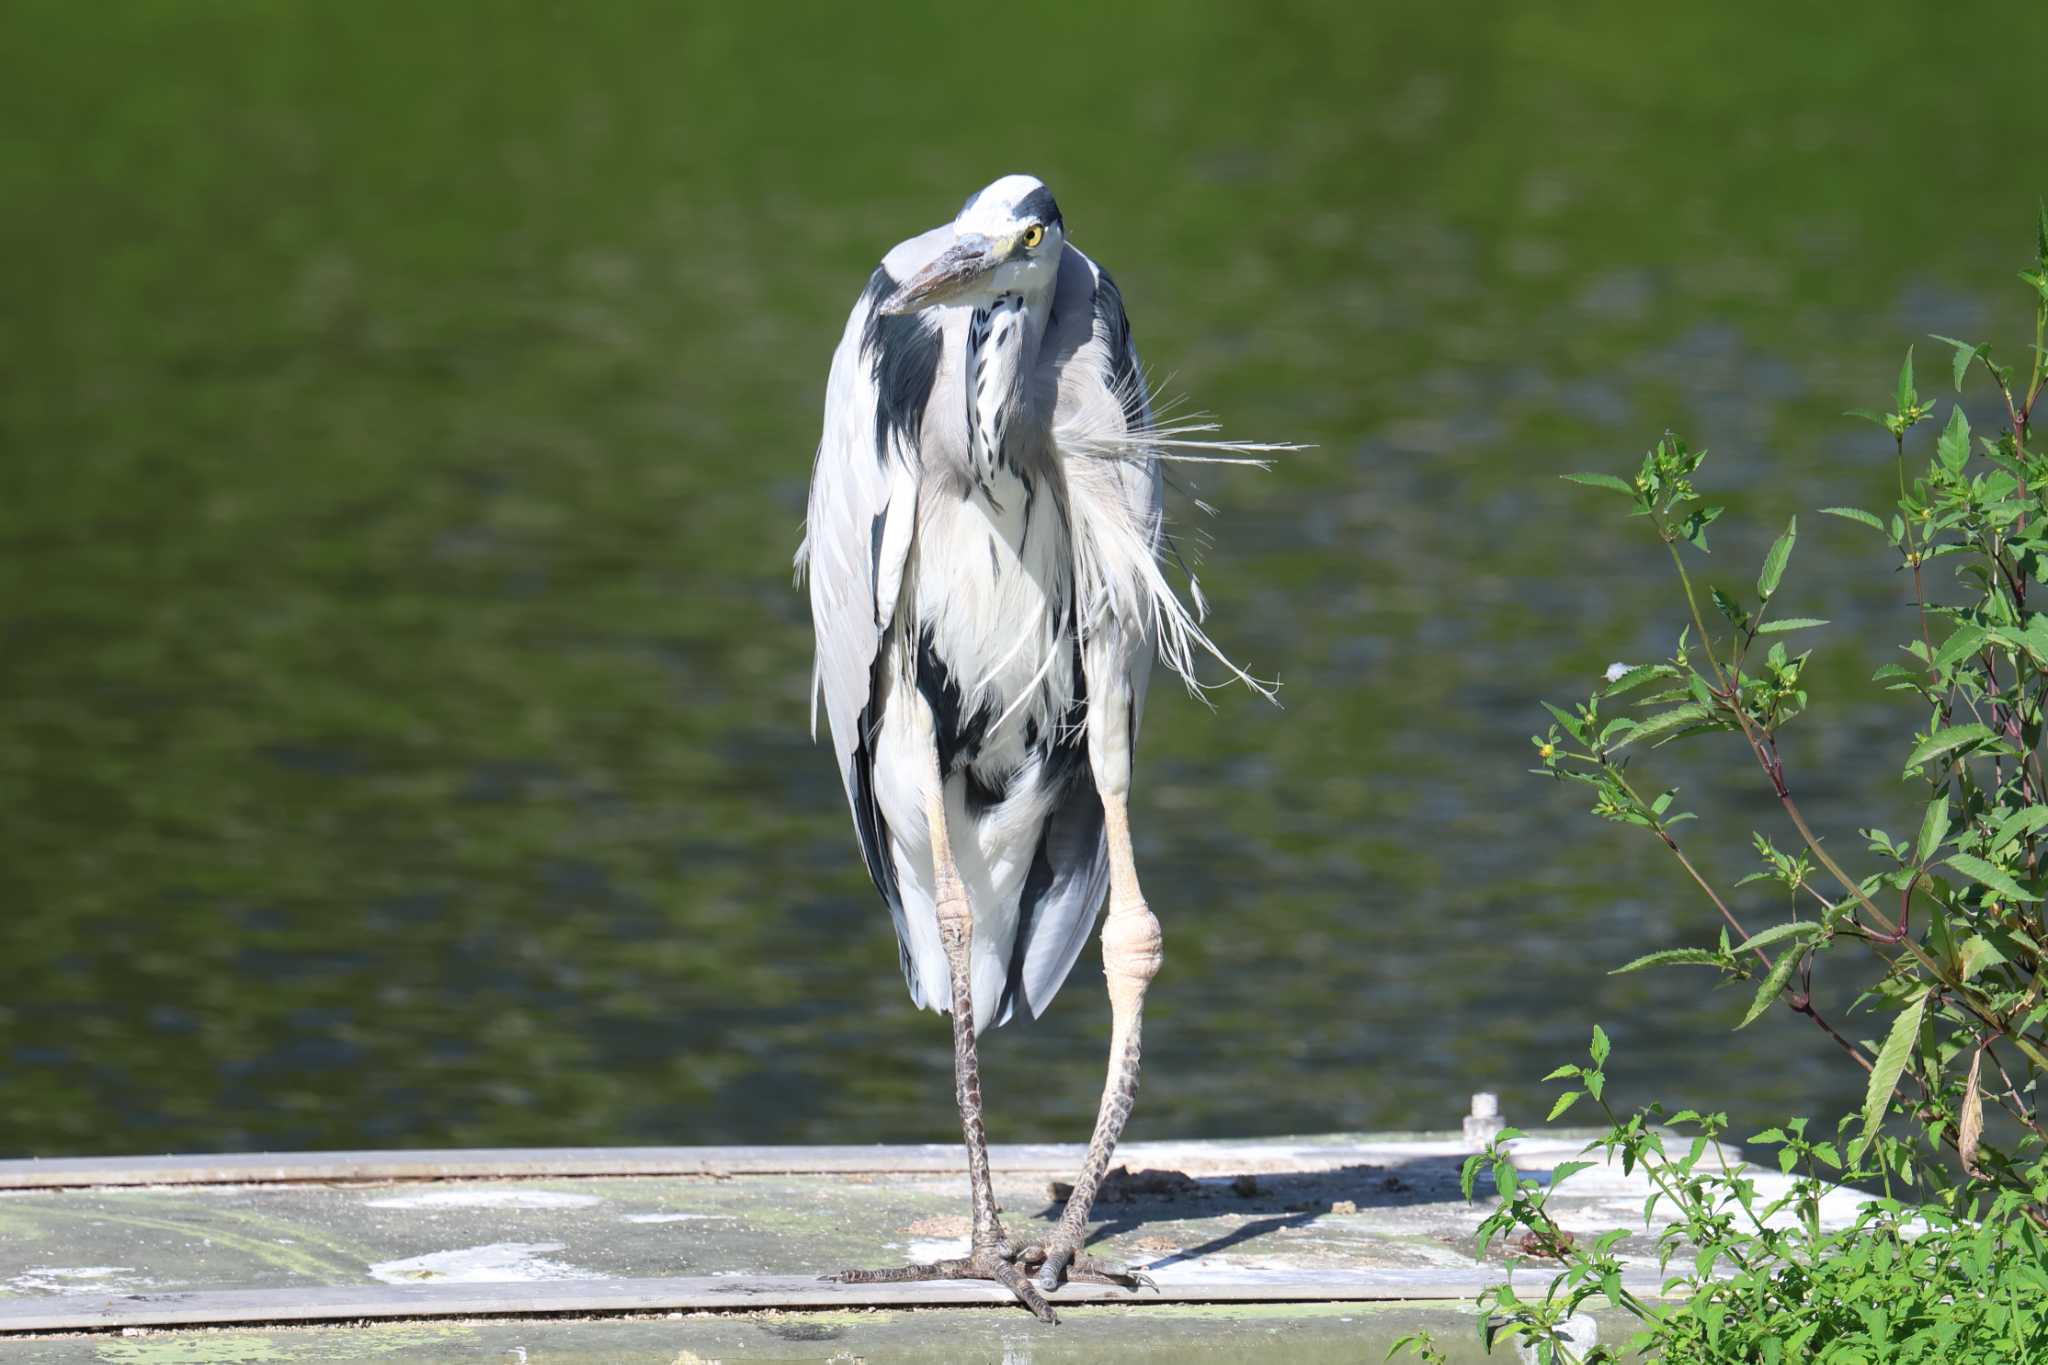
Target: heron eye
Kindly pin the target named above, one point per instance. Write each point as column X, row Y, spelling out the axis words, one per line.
column 1033, row 235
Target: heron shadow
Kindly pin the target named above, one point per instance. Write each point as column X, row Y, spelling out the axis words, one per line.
column 1270, row 1202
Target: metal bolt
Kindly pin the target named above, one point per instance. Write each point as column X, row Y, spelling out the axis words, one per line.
column 1484, row 1120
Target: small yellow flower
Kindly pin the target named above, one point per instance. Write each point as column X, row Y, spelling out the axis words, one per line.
column 1544, row 751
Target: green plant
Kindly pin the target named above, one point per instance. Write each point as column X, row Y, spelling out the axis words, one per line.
column 1754, row 1278
column 1946, row 926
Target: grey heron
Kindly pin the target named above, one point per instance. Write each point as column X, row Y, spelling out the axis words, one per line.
column 984, row 541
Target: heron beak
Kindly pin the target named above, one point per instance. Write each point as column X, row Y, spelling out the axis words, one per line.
column 957, row 268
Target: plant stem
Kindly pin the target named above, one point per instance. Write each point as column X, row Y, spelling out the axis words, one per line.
column 1664, row 834
column 1773, row 770
column 1802, row 1001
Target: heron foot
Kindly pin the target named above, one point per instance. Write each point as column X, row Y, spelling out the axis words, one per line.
column 1058, row 1263
column 997, row 1263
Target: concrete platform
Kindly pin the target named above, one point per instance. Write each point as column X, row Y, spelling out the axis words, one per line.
column 1284, row 1249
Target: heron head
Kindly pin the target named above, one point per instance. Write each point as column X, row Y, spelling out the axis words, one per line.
column 1006, row 240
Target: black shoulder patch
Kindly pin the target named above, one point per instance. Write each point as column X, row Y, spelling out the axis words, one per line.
column 1114, row 327
column 880, row 286
column 903, row 356
column 1039, row 206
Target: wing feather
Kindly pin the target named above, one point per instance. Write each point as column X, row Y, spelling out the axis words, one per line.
column 858, row 529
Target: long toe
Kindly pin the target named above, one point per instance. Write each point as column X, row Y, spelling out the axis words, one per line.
column 989, row 1263
column 960, row 1268
column 1085, row 1269
column 1017, row 1282
column 1053, row 1273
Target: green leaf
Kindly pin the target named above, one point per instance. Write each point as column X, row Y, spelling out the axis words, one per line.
column 1800, row 929
column 1965, row 353
column 2017, row 825
column 1774, row 981
column 1907, row 396
column 1636, row 677
column 1694, row 527
column 1690, row 957
column 1946, row 741
column 1780, row 552
column 1984, row 874
column 1665, row 722
column 1601, row 481
column 1954, row 445
column 1564, row 1102
column 1785, row 623
column 1965, row 641
column 2034, row 637
column 1729, row 607
column 1978, row 953
column 1933, row 828
column 1890, row 1064
column 1600, row 1046
column 1573, row 726
column 1854, row 514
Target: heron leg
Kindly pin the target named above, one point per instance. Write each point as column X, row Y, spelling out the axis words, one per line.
column 956, row 932
column 1132, row 949
column 989, row 1256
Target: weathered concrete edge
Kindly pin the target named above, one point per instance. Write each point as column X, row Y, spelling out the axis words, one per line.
column 242, row 1307
column 259, row 1168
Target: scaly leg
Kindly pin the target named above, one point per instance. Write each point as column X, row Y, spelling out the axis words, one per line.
column 1132, row 949
column 989, row 1254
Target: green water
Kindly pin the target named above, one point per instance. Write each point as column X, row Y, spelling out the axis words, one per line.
column 405, row 413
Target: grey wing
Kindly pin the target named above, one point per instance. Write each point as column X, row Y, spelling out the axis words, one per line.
column 857, row 535
column 1099, row 384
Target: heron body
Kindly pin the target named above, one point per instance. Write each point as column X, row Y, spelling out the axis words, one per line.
column 983, row 540
column 969, row 567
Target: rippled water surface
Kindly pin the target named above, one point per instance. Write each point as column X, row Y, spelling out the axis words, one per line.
column 404, row 421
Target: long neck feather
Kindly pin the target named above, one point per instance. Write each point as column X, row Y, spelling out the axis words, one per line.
column 999, row 343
